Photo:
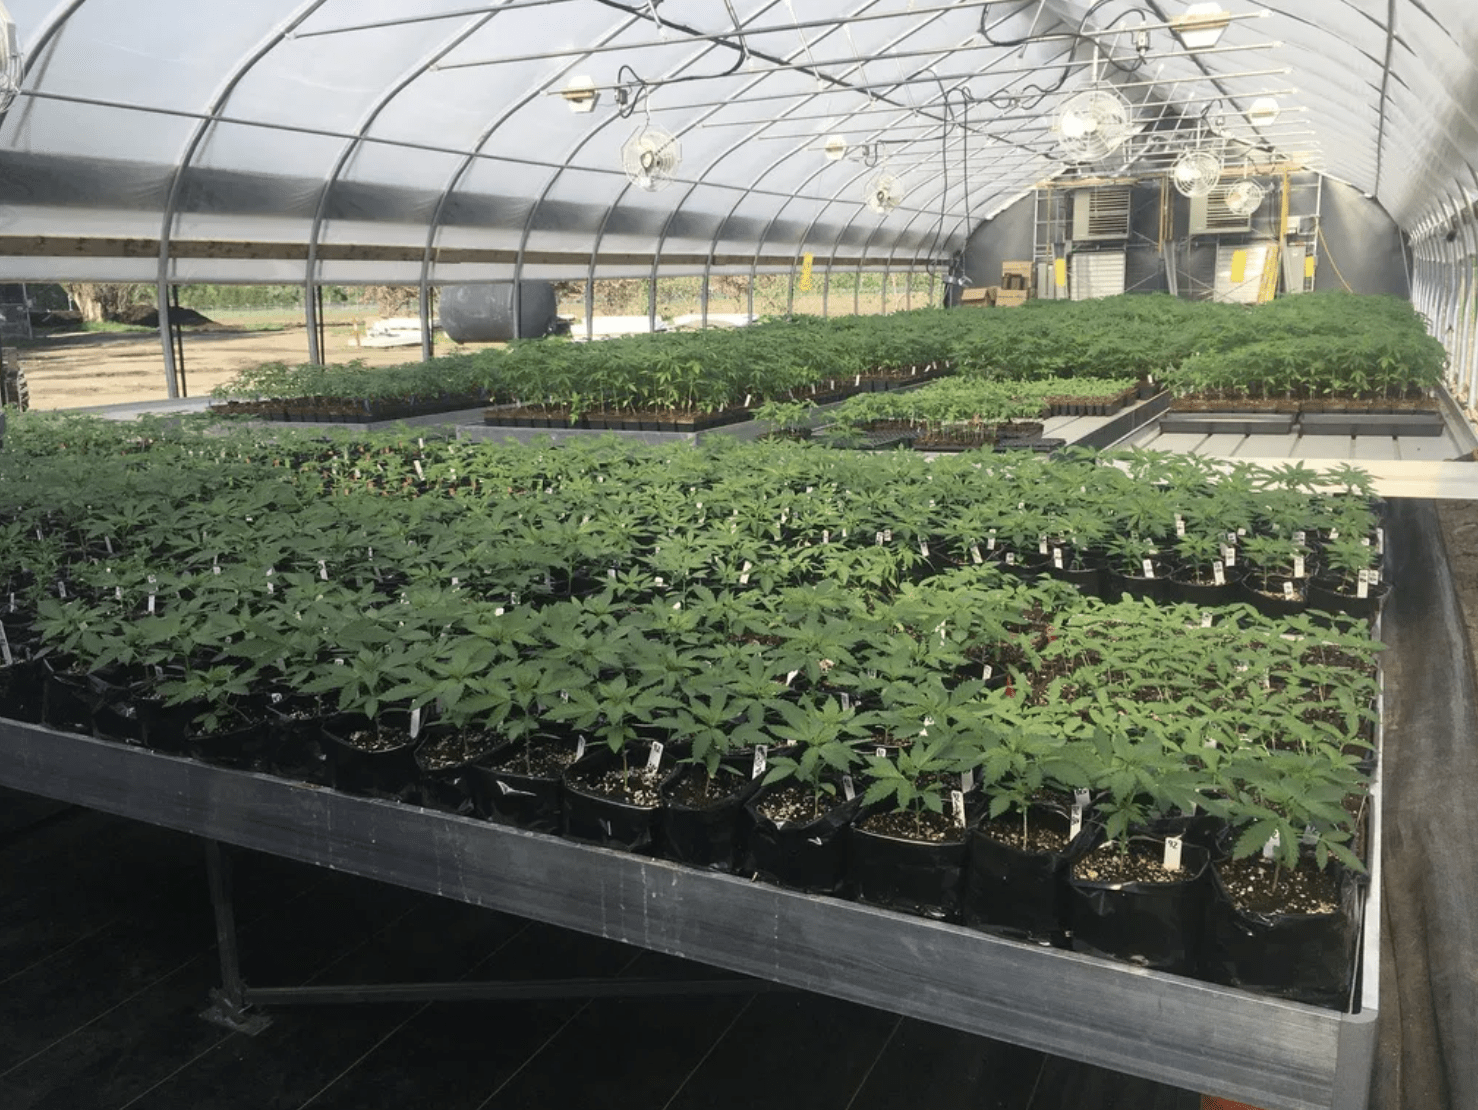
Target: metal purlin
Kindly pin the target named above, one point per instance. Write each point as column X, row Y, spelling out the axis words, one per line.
column 713, row 165
column 791, row 152
column 274, row 39
column 754, row 269
column 1470, row 310
column 434, row 227
column 315, row 355
column 1462, row 350
column 624, row 188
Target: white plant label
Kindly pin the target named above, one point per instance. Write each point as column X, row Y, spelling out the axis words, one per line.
column 1375, row 576
column 849, row 789
column 1362, row 590
column 878, row 539
column 1229, row 556
column 1298, row 566
column 421, row 444
column 1149, row 568
column 1380, row 540
column 659, row 581
column 421, row 474
column 1057, row 557
column 1300, row 538
column 1010, row 558
column 923, row 549
column 323, row 569
column 1270, row 849
column 1241, row 531
column 151, row 605
column 1206, row 619
column 108, row 544
column 1288, row 590
column 654, row 755
column 611, row 574
column 415, row 722
column 990, row 543
column 967, row 781
column 825, row 538
column 759, row 762
column 5, row 647
column 499, row 611
column 791, row 677
column 1173, row 845
column 887, row 535
column 1218, row 572
column 747, row 398
column 1232, row 538
column 846, row 703
column 744, row 573
column 580, row 748
column 1081, row 798
column 61, row 589
column 985, row 672
column 957, row 806
column 1179, row 525
column 117, row 593
column 882, row 753
column 1075, row 822
column 270, row 588
column 975, row 556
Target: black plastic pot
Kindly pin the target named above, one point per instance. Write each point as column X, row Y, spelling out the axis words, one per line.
column 1016, row 892
column 446, row 785
column 503, row 794
column 1325, row 597
column 1153, row 925
column 297, row 751
column 1178, row 591
column 166, row 728
column 1302, row 957
column 704, row 836
column 916, row 876
column 603, row 820
column 244, row 745
column 1087, row 577
column 22, row 691
column 382, row 772
column 803, row 855
column 68, row 702
column 1117, row 586
column 1273, row 602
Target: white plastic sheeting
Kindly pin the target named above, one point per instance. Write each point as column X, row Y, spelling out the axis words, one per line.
column 417, row 140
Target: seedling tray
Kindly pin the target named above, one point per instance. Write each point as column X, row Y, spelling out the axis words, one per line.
column 1277, row 1055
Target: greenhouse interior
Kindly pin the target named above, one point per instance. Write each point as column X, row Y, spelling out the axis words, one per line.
column 736, row 553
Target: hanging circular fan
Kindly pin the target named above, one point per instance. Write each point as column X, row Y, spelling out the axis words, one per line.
column 1196, row 173
column 1093, row 124
column 884, row 193
column 651, row 157
column 1245, row 197
column 12, row 61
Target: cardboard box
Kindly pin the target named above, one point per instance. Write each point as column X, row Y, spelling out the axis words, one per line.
column 1010, row 298
column 1016, row 276
column 977, row 297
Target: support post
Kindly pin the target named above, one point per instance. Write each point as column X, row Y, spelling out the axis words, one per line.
column 228, row 1005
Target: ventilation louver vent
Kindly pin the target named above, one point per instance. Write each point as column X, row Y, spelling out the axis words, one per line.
column 1211, row 216
column 1101, row 214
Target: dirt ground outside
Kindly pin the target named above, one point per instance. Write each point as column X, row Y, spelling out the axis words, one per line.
column 1460, row 537
column 90, row 369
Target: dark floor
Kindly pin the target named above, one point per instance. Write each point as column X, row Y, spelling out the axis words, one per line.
column 107, row 954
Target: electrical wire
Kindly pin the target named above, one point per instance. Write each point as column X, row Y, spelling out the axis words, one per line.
column 641, row 88
column 1330, row 255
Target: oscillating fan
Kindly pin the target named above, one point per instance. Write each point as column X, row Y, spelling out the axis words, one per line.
column 884, row 193
column 1245, row 198
column 12, row 61
column 650, row 158
column 1093, row 124
column 1196, row 172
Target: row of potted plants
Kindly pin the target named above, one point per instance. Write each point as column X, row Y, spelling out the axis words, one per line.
column 1317, row 346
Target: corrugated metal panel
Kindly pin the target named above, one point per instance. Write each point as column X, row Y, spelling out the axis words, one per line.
column 1101, row 213
column 1238, row 280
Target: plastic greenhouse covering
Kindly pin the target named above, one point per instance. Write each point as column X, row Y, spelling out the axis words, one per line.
column 437, row 140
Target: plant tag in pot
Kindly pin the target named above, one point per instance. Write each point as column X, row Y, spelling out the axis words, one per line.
column 1042, row 546
column 878, row 539
column 1057, row 557
column 759, row 762
column 5, row 647
column 270, row 589
column 967, row 781
column 1218, row 572
column 1149, row 568
column 580, row 748
column 957, row 806
column 654, row 755
column 415, row 722
column 1173, row 845
column 1380, row 540
column 1300, row 538
column 611, row 574
column 1298, row 566
column 61, row 589
column 1207, row 618
column 1010, row 558
column 825, row 538
column 791, row 677
column 744, row 574
column 117, row 593
column 1179, row 525
column 985, row 672
column 882, row 753
column 990, row 542
column 1075, row 822
column 1229, row 555
column 887, row 535
column 323, row 569
column 1270, row 849
column 151, row 605
column 849, row 791
column 1288, row 590
column 1363, row 589
column 923, row 549
column 975, row 556
column 421, row 474
column 846, row 702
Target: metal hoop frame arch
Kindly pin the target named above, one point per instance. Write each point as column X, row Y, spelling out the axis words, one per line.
column 433, row 228
column 351, row 148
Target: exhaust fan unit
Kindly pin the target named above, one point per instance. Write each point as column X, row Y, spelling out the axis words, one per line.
column 1093, row 124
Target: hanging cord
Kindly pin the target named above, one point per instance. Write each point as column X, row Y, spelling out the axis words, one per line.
column 641, row 88
column 966, row 99
column 1330, row 255
column 1030, row 95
